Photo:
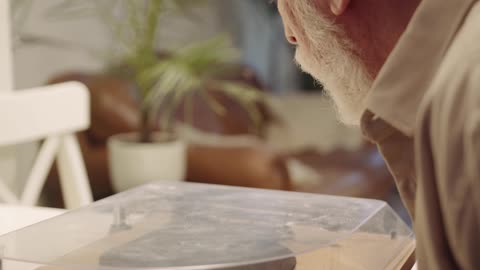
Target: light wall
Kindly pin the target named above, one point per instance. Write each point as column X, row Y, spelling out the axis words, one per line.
column 7, row 154
column 257, row 33
column 35, row 64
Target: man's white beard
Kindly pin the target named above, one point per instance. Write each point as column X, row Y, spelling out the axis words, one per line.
column 330, row 59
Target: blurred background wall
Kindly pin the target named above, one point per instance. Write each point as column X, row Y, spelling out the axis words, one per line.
column 254, row 24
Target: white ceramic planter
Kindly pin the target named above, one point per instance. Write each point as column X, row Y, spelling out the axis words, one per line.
column 133, row 163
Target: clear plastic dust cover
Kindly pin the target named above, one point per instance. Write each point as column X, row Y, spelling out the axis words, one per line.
column 180, row 226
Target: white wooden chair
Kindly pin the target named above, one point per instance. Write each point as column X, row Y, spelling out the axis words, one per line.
column 52, row 114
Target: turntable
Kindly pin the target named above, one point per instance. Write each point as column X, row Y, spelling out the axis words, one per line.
column 180, row 226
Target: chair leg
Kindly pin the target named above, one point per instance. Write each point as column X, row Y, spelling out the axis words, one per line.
column 38, row 174
column 6, row 195
column 73, row 176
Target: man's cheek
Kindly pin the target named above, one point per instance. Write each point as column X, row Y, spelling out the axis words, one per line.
column 301, row 58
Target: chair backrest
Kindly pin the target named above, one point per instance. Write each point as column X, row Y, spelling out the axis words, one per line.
column 29, row 115
column 52, row 114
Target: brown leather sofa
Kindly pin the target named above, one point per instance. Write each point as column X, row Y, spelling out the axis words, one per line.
column 115, row 110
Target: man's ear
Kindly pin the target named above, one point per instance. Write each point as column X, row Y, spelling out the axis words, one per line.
column 338, row 7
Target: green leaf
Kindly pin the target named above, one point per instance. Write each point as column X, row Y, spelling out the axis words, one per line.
column 167, row 81
column 212, row 102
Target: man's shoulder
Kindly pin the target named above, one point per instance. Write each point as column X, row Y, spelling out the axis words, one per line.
column 453, row 98
column 463, row 53
column 449, row 121
column 465, row 43
column 457, row 81
column 454, row 95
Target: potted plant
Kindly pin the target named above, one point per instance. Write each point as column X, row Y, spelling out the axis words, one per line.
column 163, row 82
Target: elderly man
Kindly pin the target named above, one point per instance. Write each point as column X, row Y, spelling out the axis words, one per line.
column 407, row 72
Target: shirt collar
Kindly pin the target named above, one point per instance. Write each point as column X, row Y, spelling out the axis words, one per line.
column 401, row 84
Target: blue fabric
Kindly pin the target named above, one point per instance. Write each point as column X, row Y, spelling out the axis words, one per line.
column 259, row 33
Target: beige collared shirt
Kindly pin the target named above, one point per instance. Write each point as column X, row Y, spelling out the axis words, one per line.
column 424, row 114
